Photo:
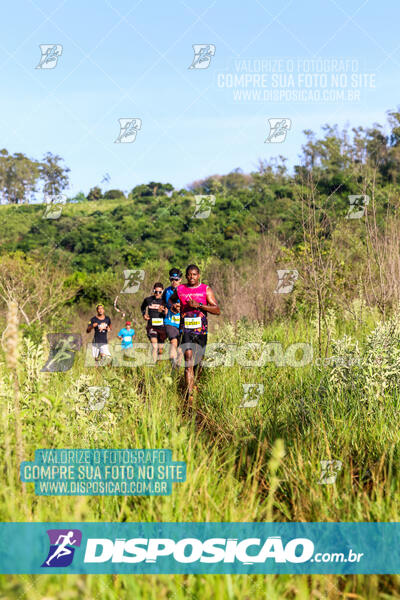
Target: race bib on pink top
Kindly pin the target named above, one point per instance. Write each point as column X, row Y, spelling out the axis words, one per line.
column 193, row 319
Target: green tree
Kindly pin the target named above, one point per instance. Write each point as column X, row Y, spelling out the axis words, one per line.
column 112, row 194
column 54, row 175
column 18, row 177
column 153, row 188
column 94, row 194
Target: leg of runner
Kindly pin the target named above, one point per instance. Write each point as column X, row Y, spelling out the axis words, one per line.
column 193, row 353
column 189, row 372
column 198, row 353
column 173, row 351
column 179, row 357
column 154, row 344
column 175, row 354
column 161, row 337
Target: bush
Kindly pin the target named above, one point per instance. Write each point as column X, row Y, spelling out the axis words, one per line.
column 112, row 194
column 373, row 369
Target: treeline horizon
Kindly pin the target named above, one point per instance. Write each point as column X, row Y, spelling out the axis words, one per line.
column 336, row 150
column 260, row 222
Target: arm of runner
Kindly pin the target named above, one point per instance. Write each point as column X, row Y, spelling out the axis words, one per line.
column 143, row 310
column 90, row 326
column 212, row 305
column 174, row 301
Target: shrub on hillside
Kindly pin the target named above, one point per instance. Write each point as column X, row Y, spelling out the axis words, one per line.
column 374, row 368
column 112, row 194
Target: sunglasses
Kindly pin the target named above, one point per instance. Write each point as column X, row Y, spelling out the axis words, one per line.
column 174, row 278
column 157, row 291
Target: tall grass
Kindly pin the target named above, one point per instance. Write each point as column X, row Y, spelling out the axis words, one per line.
column 243, row 464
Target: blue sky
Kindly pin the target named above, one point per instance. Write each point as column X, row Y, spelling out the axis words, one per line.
column 123, row 59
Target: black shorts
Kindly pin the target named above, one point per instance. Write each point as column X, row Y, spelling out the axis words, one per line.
column 172, row 332
column 196, row 342
column 157, row 332
column 188, row 337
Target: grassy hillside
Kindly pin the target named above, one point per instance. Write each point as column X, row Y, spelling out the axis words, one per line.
column 261, row 463
column 306, row 415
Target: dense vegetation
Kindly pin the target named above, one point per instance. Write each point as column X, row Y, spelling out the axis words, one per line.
column 156, row 222
column 243, row 464
column 317, row 413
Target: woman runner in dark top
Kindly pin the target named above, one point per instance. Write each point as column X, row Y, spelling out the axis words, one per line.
column 152, row 311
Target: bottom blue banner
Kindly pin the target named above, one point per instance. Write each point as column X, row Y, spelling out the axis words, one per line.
column 296, row 548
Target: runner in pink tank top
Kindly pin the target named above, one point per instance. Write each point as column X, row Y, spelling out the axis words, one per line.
column 196, row 300
column 193, row 319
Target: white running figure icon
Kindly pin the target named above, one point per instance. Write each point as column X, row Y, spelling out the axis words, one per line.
column 62, row 550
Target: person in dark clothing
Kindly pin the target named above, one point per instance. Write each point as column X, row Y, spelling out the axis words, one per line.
column 101, row 325
column 152, row 311
column 172, row 317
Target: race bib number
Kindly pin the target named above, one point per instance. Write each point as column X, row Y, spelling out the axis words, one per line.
column 127, row 338
column 193, row 322
column 176, row 319
column 157, row 322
